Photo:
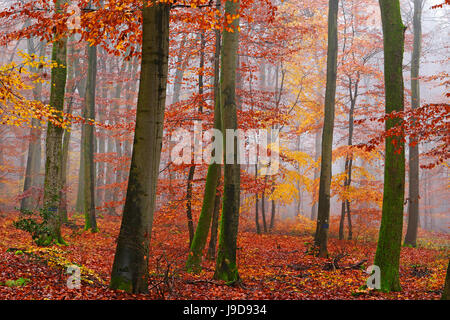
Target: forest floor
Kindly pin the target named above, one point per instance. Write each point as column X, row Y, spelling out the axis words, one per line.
column 271, row 266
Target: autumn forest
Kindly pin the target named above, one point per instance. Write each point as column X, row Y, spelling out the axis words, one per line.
column 224, row 150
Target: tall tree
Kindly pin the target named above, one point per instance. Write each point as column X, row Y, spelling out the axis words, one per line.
column 323, row 215
column 34, row 147
column 413, row 199
column 210, row 201
column 88, row 144
column 67, row 133
column 226, row 267
column 387, row 256
column 53, row 145
column 130, row 268
column 192, row 168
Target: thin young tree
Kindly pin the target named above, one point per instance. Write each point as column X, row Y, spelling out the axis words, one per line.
column 88, row 144
column 34, row 147
column 387, row 256
column 323, row 215
column 209, row 206
column 413, row 198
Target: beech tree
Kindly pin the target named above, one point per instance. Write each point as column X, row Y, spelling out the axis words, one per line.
column 323, row 216
column 209, row 214
column 130, row 268
column 387, row 257
column 413, row 198
column 53, row 144
column 226, row 267
column 88, row 143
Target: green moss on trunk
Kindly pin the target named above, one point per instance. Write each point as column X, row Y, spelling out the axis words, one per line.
column 389, row 243
column 226, row 267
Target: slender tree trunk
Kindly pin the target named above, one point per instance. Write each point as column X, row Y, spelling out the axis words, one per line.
column 226, row 267
column 79, row 206
column 190, row 221
column 52, row 180
column 387, row 256
column 179, row 73
column 66, row 139
column 316, row 172
column 34, row 147
column 116, row 191
column 263, row 207
column 211, row 201
column 413, row 201
column 192, row 168
column 272, row 216
column 130, row 268
column 258, row 227
column 90, row 221
column 100, row 195
column 349, row 221
column 341, row 221
column 323, row 216
column 109, row 179
column 349, row 163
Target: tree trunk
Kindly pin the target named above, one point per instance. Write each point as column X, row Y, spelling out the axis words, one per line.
column 66, row 138
column 179, row 73
column 130, row 268
column 349, row 162
column 226, row 267
column 192, row 168
column 263, row 207
column 323, row 216
column 52, row 180
column 341, row 221
column 390, row 236
column 90, row 221
column 79, row 206
column 413, row 201
column 316, row 173
column 272, row 216
column 116, row 193
column 211, row 202
column 34, row 147
column 258, row 227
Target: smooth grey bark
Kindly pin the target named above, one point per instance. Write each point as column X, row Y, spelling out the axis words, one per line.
column 67, row 135
column 130, row 268
column 88, row 144
column 79, row 206
column 317, row 146
column 413, row 199
column 179, row 73
column 33, row 165
column 323, row 216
